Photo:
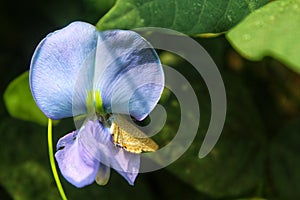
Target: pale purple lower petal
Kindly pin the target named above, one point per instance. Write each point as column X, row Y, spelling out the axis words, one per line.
column 130, row 164
column 101, row 147
column 81, row 152
column 75, row 164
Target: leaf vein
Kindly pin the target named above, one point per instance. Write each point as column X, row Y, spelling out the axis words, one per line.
column 224, row 15
column 199, row 16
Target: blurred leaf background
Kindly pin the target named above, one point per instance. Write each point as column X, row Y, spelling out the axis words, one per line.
column 255, row 47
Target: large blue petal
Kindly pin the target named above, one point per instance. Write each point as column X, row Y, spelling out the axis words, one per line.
column 128, row 73
column 101, row 147
column 74, row 162
column 58, row 64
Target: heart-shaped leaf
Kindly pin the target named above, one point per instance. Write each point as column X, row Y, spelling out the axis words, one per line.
column 270, row 31
column 191, row 17
column 19, row 101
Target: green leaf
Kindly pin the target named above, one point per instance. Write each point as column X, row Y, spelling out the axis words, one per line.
column 285, row 162
column 270, row 31
column 19, row 101
column 191, row 17
column 29, row 181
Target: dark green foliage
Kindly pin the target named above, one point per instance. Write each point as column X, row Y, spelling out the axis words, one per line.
column 190, row 17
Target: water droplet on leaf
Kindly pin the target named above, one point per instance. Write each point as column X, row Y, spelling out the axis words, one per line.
column 246, row 37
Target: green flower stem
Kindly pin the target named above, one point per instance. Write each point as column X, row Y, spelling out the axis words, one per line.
column 52, row 162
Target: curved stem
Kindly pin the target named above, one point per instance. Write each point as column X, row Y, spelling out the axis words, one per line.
column 52, row 162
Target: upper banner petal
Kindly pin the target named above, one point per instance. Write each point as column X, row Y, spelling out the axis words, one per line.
column 58, row 64
column 128, row 73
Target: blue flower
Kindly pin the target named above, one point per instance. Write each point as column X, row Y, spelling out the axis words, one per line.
column 79, row 71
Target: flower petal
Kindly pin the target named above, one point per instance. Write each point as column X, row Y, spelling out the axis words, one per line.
column 128, row 73
column 102, row 148
column 127, row 164
column 75, row 164
column 103, row 175
column 55, row 68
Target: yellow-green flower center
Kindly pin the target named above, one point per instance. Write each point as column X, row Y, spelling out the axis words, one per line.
column 94, row 102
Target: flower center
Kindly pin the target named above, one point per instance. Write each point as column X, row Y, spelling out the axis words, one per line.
column 94, row 102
